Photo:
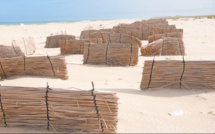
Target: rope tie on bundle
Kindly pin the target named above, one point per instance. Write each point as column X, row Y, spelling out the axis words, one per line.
column 2, row 109
column 51, row 65
column 109, row 38
column 150, row 77
column 120, row 38
column 14, row 48
column 106, row 53
column 182, row 74
column 3, row 70
column 162, row 46
column 47, row 106
column 131, row 55
column 88, row 54
column 96, row 107
column 24, row 62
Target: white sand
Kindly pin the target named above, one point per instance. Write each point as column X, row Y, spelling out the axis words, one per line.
column 139, row 111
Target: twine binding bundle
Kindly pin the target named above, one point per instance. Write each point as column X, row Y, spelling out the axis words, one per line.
column 40, row 66
column 164, row 46
column 155, row 37
column 10, row 51
column 54, row 41
column 59, row 110
column 114, row 54
column 177, row 74
column 76, row 46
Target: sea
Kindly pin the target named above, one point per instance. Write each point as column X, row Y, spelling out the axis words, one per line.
column 37, row 22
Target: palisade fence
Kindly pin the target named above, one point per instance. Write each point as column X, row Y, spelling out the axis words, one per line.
column 58, row 110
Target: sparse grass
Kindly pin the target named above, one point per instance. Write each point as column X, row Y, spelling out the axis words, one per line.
column 211, row 17
column 195, row 17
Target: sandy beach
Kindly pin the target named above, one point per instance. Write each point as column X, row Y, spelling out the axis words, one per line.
column 139, row 111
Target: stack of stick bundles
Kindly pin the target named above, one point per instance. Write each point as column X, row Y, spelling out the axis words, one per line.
column 76, row 46
column 155, row 37
column 27, row 45
column 86, row 33
column 39, row 66
column 115, row 54
column 58, row 110
column 54, row 41
column 143, row 29
column 114, row 38
column 164, row 46
column 10, row 51
column 178, row 74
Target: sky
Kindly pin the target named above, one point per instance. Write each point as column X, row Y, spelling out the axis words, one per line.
column 60, row 10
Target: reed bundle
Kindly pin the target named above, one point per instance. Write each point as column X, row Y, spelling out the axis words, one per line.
column 59, row 110
column 164, row 46
column 27, row 45
column 39, row 66
column 76, row 46
column 10, row 51
column 86, row 33
column 178, row 74
column 54, row 41
column 143, row 30
column 115, row 38
column 115, row 54
column 155, row 37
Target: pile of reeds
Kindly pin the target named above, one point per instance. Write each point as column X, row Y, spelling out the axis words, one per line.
column 58, row 110
column 160, row 36
column 86, row 33
column 76, row 46
column 164, row 46
column 54, row 41
column 27, row 45
column 114, row 38
column 143, row 29
column 10, row 51
column 114, row 54
column 54, row 66
column 175, row 74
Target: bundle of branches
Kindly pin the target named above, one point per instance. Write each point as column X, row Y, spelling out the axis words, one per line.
column 177, row 74
column 164, row 46
column 59, row 110
column 86, row 33
column 76, row 46
column 27, row 45
column 115, row 38
column 155, row 37
column 10, row 51
column 54, row 41
column 40, row 66
column 115, row 54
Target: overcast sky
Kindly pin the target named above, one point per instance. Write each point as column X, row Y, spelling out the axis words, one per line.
column 59, row 10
